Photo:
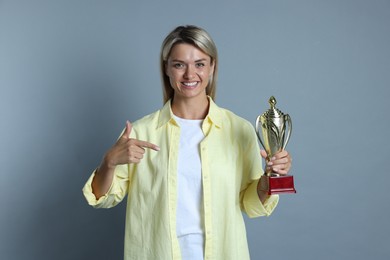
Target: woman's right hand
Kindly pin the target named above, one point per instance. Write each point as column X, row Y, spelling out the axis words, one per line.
column 126, row 150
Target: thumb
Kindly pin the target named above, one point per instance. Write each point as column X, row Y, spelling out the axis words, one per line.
column 126, row 133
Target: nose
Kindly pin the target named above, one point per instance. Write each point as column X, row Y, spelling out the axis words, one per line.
column 189, row 73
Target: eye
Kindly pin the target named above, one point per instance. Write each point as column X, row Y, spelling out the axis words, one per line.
column 200, row 64
column 178, row 65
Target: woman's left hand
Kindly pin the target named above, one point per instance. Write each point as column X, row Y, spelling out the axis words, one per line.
column 279, row 163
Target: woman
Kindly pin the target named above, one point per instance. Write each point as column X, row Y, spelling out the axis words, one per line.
column 189, row 169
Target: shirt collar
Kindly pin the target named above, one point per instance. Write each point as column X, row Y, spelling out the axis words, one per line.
column 214, row 115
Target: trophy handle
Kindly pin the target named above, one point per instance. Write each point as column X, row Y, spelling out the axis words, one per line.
column 257, row 131
column 287, row 119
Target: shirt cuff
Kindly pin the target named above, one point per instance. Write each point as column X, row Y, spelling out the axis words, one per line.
column 252, row 204
column 90, row 196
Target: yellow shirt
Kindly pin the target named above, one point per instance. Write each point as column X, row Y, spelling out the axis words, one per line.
column 231, row 167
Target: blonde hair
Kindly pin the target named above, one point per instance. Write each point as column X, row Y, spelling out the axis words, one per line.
column 197, row 37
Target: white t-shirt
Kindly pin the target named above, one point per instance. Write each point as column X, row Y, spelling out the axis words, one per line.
column 189, row 220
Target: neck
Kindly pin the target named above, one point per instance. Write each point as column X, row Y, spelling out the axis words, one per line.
column 190, row 108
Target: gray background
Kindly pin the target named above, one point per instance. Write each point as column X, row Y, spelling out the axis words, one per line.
column 72, row 73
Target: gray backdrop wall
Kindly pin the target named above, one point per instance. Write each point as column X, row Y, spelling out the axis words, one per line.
column 72, row 72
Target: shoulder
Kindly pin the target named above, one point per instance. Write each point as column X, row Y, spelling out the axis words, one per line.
column 145, row 126
column 146, row 120
column 234, row 125
column 235, row 120
column 241, row 129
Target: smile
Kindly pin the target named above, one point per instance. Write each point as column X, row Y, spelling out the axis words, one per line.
column 190, row 84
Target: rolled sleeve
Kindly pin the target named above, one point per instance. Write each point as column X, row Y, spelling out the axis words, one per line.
column 115, row 193
column 252, row 204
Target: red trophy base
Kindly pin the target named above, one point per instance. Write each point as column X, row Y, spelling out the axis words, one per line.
column 281, row 184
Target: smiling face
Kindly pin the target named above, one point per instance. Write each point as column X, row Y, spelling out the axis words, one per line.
column 189, row 70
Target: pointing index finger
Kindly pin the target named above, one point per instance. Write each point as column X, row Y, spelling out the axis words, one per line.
column 145, row 144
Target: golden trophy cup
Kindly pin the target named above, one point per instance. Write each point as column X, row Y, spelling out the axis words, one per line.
column 271, row 130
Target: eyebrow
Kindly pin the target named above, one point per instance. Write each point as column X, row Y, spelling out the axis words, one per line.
column 176, row 60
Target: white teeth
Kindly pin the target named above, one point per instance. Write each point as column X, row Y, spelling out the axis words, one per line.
column 190, row 84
